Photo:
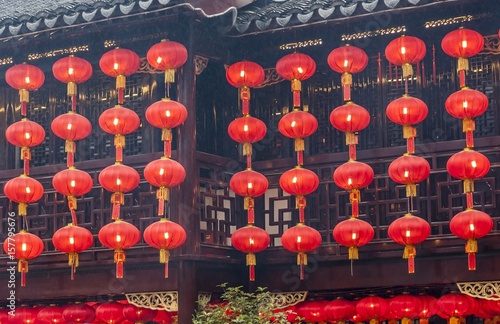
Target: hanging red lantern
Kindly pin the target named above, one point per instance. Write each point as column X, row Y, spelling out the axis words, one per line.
column 296, row 67
column 23, row 190
column 405, row 51
column 165, row 174
column 72, row 240
column 119, row 121
column 167, row 56
column 49, row 315
column 249, row 184
column 24, row 315
column 298, row 125
column 352, row 176
column 428, row 308
column 26, row 247
column 138, row 315
column 72, row 70
column 79, row 313
column 409, row 170
column 347, row 60
column 165, row 236
column 119, row 63
column 25, row 134
column 471, row 225
column 250, row 240
column 118, row 236
column 245, row 75
column 72, row 183
column 408, row 231
column 353, row 233
column 312, row 311
column 406, row 307
column 110, row 313
column 350, row 118
column 340, row 311
column 247, row 130
column 24, row 77
column 462, row 44
column 373, row 308
column 301, row 239
column 71, row 127
column 299, row 182
column 118, row 179
column 452, row 307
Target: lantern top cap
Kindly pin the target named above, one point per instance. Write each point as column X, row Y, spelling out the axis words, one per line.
column 165, row 99
column 164, row 219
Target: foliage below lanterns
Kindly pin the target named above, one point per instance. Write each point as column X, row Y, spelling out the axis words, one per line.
column 239, row 306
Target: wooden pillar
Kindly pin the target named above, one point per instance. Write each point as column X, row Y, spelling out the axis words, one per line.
column 188, row 206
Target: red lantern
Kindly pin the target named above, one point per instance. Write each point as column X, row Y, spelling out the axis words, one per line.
column 24, row 77
column 79, row 313
column 353, row 233
column 23, row 190
column 250, row 240
column 405, row 51
column 25, row 134
column 118, row 236
column 72, row 183
column 298, row 125
column 164, row 173
column 408, row 231
column 350, row 118
column 71, row 127
column 72, row 70
column 138, row 314
column 299, row 182
column 312, row 311
column 301, row 239
column 373, row 308
column 428, row 308
column 49, row 315
column 110, row 313
column 249, row 184
column 245, row 75
column 409, row 170
column 119, row 179
column 167, row 56
column 164, row 235
column 352, row 176
column 119, row 63
column 340, row 311
column 462, row 44
column 406, row 307
column 26, row 247
column 24, row 315
column 296, row 67
column 471, row 225
column 347, row 60
column 452, row 307
column 247, row 130
column 72, row 240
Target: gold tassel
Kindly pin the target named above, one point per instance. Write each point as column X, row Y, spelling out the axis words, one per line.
column 454, row 320
column 118, row 198
column 301, row 258
column 407, row 70
column 245, row 93
column 71, row 89
column 120, row 81
column 299, row 144
column 22, row 209
column 163, row 193
column 300, row 201
column 170, row 75
column 471, row 246
column 406, row 320
column 346, row 78
column 409, row 252
column 72, row 203
column 251, row 260
column 70, row 146
column 119, row 256
column 22, row 265
column 468, row 185
column 354, row 195
column 353, row 253
column 351, row 138
column 296, row 85
column 248, row 202
column 25, row 153
column 468, row 124
column 119, row 140
column 411, row 190
column 247, row 149
column 73, row 259
column 463, row 64
column 24, row 95
column 164, row 255
column 409, row 131
column 373, row 321
column 166, row 134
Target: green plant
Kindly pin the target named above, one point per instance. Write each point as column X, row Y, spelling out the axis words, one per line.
column 238, row 306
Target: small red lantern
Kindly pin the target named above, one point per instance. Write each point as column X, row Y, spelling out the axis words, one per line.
column 298, row 125
column 118, row 236
column 312, row 311
column 250, row 240
column 164, row 235
column 167, row 56
column 247, row 130
column 119, row 63
column 138, row 315
column 296, row 67
column 405, row 51
column 72, row 183
column 471, row 225
column 79, row 313
column 347, row 60
column 428, row 308
column 409, row 170
column 249, row 184
column 23, row 190
column 340, row 311
column 408, row 231
column 373, row 308
column 110, row 313
column 71, row 127
column 24, row 315
column 452, row 307
column 299, row 182
column 350, row 118
column 24, row 77
column 119, row 179
column 353, row 233
column 245, row 75
column 352, row 176
column 26, row 247
column 406, row 307
column 165, row 174
column 25, row 134
column 462, row 44
column 72, row 70
column 72, row 240
column 301, row 239
column 49, row 315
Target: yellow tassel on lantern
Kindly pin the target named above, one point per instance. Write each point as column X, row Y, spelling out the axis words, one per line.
column 22, row 209
column 169, row 75
column 468, row 124
column 409, row 252
column 301, row 258
column 73, row 259
column 353, row 253
column 354, row 195
column 351, row 138
column 300, row 201
column 373, row 321
column 71, row 89
column 346, row 78
column 24, row 95
column 245, row 93
column 247, row 149
column 70, row 146
column 163, row 193
column 248, row 202
column 120, row 81
column 119, row 140
column 296, row 85
column 409, row 131
column 22, row 265
column 119, row 256
column 454, row 320
column 164, row 255
column 25, row 153
column 299, row 144
column 118, row 198
column 463, row 64
column 166, row 134
column 407, row 70
column 251, row 259
column 72, row 202
column 411, row 190
column 468, row 185
column 406, row 320
column 471, row 246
